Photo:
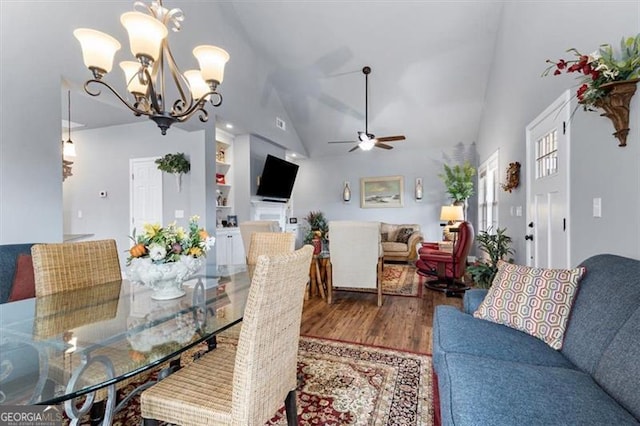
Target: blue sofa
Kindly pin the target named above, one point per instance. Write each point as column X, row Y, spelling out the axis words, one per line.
column 490, row 374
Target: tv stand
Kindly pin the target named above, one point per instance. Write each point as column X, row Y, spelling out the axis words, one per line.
column 274, row 200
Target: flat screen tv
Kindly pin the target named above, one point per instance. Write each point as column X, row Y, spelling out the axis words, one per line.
column 277, row 179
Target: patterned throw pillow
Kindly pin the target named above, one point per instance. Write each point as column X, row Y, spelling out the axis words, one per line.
column 403, row 235
column 536, row 301
column 384, row 237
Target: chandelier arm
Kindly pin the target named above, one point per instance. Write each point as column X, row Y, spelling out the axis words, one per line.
column 152, row 95
column 123, row 100
column 179, row 80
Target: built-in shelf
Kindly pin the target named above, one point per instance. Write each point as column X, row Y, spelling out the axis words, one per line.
column 222, row 168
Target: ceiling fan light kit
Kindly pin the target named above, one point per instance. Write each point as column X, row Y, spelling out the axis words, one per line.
column 367, row 141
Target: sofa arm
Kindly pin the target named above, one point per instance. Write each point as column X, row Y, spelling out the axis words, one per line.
column 472, row 299
column 414, row 240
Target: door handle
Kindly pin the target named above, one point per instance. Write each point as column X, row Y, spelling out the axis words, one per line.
column 530, row 225
column 529, row 237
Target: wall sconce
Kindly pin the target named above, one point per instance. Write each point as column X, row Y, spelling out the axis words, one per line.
column 346, row 192
column 419, row 189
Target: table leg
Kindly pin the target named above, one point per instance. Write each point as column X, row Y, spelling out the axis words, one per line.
column 319, row 281
column 329, row 283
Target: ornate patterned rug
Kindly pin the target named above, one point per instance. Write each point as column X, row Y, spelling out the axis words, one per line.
column 397, row 280
column 348, row 384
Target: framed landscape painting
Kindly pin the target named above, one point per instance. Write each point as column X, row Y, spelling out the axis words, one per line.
column 386, row 191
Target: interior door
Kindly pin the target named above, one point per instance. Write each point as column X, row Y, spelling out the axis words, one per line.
column 547, row 232
column 145, row 192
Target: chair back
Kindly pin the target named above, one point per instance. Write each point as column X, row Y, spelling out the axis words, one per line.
column 72, row 266
column 250, row 226
column 464, row 242
column 266, row 358
column 269, row 243
column 354, row 247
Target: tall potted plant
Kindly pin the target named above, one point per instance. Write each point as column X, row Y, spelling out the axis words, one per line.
column 174, row 163
column 496, row 246
column 318, row 231
column 459, row 181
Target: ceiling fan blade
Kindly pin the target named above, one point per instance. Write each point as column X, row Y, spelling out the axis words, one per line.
column 383, row 145
column 354, row 148
column 391, row 138
column 342, row 142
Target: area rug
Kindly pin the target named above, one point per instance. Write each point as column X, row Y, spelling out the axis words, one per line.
column 397, row 280
column 348, row 384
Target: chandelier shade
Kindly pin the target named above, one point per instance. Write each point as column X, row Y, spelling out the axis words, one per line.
column 145, row 34
column 145, row 78
column 98, row 49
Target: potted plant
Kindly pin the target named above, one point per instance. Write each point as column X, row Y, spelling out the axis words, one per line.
column 459, row 181
column 496, row 247
column 174, row 163
column 318, row 229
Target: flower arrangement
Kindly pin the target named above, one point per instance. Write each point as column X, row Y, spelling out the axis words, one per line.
column 599, row 68
column 168, row 244
column 318, row 227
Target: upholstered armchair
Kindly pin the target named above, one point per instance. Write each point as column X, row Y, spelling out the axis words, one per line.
column 447, row 266
column 399, row 241
column 356, row 257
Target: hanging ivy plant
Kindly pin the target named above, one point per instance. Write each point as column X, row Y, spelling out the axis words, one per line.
column 174, row 163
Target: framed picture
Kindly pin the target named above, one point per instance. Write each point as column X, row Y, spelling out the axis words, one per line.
column 386, row 191
column 232, row 221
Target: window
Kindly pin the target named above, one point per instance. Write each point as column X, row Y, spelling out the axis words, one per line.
column 547, row 155
column 488, row 194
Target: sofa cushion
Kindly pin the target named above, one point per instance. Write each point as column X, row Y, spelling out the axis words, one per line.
column 24, row 282
column 534, row 300
column 482, row 391
column 609, row 294
column 618, row 371
column 457, row 332
column 394, row 247
column 384, row 237
column 8, row 256
column 403, row 235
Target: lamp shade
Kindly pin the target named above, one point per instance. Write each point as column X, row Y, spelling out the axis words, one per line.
column 145, row 34
column 98, row 48
column 196, row 84
column 68, row 149
column 212, row 60
column 367, row 145
column 131, row 77
column 451, row 213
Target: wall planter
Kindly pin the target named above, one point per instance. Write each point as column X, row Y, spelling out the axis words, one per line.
column 616, row 106
column 175, row 163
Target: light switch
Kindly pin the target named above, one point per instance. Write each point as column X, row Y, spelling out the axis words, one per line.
column 519, row 211
column 597, row 207
column 179, row 214
column 79, row 214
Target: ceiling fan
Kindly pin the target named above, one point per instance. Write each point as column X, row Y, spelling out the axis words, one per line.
column 366, row 141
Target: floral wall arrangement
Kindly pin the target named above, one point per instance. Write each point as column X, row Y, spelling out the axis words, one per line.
column 608, row 80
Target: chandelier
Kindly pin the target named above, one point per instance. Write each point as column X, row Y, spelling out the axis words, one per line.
column 145, row 78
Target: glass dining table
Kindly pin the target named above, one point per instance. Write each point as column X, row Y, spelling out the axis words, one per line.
column 58, row 348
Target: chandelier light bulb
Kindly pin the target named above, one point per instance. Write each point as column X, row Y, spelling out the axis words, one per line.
column 212, row 60
column 132, row 77
column 98, row 49
column 146, row 34
column 197, row 84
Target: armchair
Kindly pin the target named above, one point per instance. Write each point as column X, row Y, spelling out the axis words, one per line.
column 448, row 267
column 356, row 257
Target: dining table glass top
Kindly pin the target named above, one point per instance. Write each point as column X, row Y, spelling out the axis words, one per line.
column 64, row 345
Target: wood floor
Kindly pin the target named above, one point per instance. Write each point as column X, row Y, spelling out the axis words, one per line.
column 401, row 323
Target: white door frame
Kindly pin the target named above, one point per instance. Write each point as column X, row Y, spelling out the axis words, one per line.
column 562, row 106
column 133, row 161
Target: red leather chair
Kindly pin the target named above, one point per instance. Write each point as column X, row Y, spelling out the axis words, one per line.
column 447, row 267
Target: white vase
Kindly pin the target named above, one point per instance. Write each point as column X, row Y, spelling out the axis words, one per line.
column 164, row 278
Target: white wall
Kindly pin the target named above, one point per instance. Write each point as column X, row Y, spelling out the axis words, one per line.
column 37, row 49
column 103, row 164
column 530, row 33
column 320, row 181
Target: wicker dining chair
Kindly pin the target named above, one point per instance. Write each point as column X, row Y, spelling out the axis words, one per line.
column 267, row 243
column 249, row 227
column 244, row 384
column 72, row 266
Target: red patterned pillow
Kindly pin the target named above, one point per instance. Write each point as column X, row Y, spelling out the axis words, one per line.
column 536, row 301
column 24, row 283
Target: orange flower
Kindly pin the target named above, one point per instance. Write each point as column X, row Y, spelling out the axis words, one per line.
column 136, row 356
column 195, row 251
column 138, row 250
column 203, row 234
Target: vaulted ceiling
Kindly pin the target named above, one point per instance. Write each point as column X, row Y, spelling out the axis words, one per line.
column 430, row 64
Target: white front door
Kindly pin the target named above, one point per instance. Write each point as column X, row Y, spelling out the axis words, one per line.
column 547, row 232
column 145, row 193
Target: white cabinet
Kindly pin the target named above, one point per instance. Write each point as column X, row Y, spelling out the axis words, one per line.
column 229, row 248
